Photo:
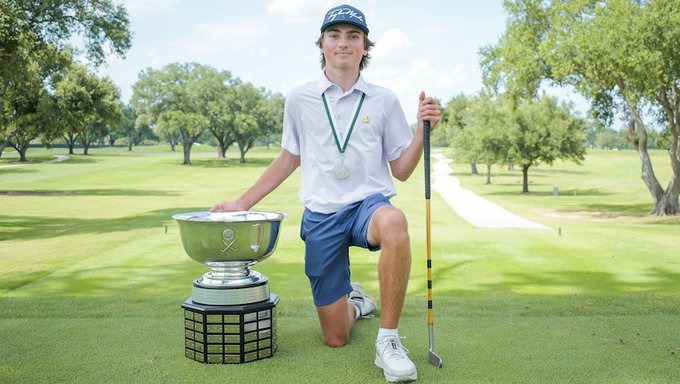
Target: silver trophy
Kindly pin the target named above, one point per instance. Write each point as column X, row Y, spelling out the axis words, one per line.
column 231, row 315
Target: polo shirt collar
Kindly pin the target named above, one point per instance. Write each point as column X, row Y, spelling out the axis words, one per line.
column 323, row 84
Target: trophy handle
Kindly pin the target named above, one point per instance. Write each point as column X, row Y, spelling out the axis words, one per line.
column 256, row 247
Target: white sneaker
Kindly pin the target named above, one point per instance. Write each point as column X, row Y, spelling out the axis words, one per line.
column 361, row 300
column 392, row 357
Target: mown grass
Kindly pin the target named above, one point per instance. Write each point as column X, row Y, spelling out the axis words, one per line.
column 92, row 275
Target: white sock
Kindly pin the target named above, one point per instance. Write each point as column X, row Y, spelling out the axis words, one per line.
column 383, row 332
column 357, row 312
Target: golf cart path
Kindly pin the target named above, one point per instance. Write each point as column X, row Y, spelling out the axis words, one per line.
column 475, row 209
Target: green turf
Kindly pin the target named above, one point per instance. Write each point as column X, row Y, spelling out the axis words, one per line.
column 92, row 276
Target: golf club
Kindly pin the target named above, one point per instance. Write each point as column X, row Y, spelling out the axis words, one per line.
column 432, row 356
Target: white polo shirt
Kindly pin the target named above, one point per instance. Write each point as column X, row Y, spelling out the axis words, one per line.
column 380, row 134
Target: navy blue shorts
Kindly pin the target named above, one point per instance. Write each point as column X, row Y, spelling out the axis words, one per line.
column 327, row 240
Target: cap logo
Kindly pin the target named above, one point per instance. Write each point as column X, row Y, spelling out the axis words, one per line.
column 344, row 11
column 345, row 14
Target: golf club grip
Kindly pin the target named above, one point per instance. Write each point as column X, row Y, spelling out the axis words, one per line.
column 426, row 150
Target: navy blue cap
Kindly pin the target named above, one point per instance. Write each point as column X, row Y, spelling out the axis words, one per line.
column 346, row 14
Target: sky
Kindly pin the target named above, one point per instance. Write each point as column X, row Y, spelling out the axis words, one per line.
column 428, row 45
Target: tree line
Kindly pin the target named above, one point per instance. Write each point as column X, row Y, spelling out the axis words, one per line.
column 44, row 92
column 489, row 130
column 49, row 90
column 190, row 102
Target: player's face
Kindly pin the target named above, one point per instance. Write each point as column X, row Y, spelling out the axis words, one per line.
column 343, row 46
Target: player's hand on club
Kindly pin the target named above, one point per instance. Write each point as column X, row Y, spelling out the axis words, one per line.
column 428, row 109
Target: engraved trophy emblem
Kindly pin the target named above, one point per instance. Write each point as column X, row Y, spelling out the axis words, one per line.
column 228, row 238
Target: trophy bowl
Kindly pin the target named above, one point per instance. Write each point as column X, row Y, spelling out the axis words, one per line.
column 229, row 243
column 229, row 236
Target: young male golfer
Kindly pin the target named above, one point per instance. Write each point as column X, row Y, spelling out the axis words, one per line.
column 349, row 137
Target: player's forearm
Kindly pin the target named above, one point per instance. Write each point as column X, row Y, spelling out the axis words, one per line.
column 404, row 165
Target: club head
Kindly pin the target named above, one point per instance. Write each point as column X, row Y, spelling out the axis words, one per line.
column 435, row 359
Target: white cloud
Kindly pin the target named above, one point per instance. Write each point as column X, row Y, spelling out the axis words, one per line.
column 299, row 11
column 407, row 68
column 392, row 47
column 412, row 75
column 137, row 9
column 237, row 35
column 420, row 67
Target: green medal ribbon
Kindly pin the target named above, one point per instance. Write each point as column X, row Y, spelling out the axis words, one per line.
column 351, row 127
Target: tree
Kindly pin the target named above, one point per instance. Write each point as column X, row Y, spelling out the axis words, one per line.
column 87, row 105
column 611, row 139
column 128, row 129
column 188, row 90
column 251, row 110
column 462, row 138
column 170, row 133
column 36, row 31
column 452, row 126
column 108, row 111
column 125, row 127
column 542, row 132
column 163, row 91
column 620, row 54
column 133, row 130
column 273, row 119
column 485, row 131
column 258, row 114
column 191, row 126
column 221, row 111
column 19, row 112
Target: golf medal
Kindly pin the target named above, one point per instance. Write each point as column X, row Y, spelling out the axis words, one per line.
column 341, row 170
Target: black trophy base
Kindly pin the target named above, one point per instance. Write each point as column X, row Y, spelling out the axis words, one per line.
column 230, row 334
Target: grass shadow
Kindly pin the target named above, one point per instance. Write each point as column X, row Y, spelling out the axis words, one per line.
column 36, row 227
column 613, row 210
column 15, row 169
column 256, row 162
column 564, row 192
column 88, row 192
column 656, row 280
column 589, row 283
column 552, row 172
column 673, row 220
column 518, row 173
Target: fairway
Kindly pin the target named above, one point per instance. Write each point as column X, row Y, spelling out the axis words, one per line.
column 93, row 273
